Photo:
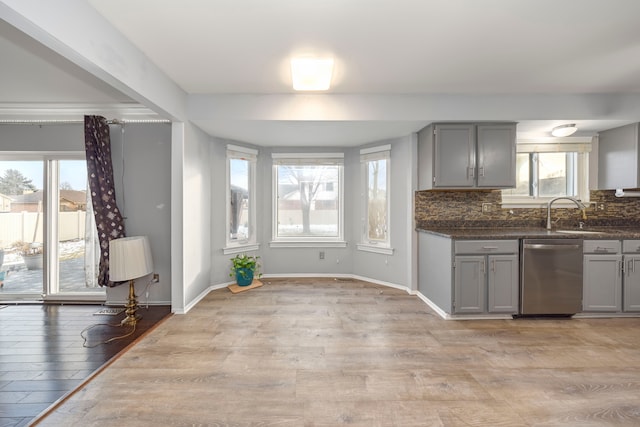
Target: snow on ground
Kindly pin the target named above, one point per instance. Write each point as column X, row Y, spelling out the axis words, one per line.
column 67, row 250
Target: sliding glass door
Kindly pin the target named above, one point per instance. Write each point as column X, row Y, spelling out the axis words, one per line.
column 48, row 235
column 22, row 229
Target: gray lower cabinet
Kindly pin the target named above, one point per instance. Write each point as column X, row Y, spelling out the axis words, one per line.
column 602, row 274
column 631, row 281
column 486, row 283
column 611, row 276
column 470, row 284
column 468, row 276
column 503, row 289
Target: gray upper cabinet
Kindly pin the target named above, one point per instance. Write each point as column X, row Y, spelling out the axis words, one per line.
column 454, row 156
column 496, row 156
column 618, row 158
column 467, row 155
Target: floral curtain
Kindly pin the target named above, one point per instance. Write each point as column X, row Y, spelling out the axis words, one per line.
column 91, row 246
column 109, row 221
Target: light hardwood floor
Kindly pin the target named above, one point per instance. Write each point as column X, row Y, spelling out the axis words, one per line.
column 321, row 352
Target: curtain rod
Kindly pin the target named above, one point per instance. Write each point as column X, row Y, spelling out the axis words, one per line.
column 65, row 122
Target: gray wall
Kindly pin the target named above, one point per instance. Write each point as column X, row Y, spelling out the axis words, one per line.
column 197, row 215
column 220, row 263
column 142, row 158
column 147, row 179
column 50, row 137
column 395, row 269
column 302, row 261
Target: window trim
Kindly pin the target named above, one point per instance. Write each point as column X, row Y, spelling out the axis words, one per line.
column 382, row 152
column 303, row 159
column 250, row 244
column 581, row 147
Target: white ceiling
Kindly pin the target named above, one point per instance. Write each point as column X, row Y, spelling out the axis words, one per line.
column 382, row 48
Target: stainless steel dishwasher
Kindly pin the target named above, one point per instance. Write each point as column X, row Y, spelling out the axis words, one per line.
column 551, row 276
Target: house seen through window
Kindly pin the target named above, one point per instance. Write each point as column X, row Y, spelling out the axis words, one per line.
column 241, row 231
column 308, row 197
column 545, row 171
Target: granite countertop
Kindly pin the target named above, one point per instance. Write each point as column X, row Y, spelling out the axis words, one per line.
column 591, row 233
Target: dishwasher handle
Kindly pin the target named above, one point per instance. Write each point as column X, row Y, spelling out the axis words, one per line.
column 542, row 246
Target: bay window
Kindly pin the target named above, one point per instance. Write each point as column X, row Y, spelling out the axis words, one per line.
column 308, row 195
column 376, row 183
column 241, row 217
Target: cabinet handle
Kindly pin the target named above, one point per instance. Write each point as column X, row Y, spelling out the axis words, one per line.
column 471, row 172
column 489, row 248
column 631, row 268
column 481, row 171
column 621, row 268
column 599, row 249
column 482, row 268
column 493, row 265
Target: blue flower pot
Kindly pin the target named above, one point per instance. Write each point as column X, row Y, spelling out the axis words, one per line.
column 244, row 276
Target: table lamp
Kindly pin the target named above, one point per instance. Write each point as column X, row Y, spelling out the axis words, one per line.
column 129, row 259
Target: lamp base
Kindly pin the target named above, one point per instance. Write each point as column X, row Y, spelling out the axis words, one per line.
column 131, row 307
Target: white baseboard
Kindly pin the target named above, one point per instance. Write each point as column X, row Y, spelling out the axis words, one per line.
column 446, row 316
column 202, row 294
column 302, row 275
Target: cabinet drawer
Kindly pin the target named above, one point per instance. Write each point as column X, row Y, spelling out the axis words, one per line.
column 631, row 246
column 486, row 247
column 601, row 246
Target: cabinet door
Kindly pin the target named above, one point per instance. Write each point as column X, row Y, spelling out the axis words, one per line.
column 469, row 284
column 618, row 158
column 496, row 156
column 454, row 156
column 503, row 283
column 602, row 283
column 631, row 283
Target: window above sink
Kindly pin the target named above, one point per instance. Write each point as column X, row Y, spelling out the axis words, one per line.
column 545, row 170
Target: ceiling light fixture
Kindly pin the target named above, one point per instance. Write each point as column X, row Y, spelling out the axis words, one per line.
column 564, row 130
column 311, row 73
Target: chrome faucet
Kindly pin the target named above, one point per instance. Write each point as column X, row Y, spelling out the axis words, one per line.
column 578, row 203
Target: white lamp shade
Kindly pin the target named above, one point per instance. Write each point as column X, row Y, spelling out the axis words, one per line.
column 129, row 258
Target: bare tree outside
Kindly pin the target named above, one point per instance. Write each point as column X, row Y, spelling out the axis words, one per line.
column 306, row 189
column 377, row 200
column 66, row 185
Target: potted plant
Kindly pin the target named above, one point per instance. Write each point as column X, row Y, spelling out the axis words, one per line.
column 31, row 254
column 244, row 268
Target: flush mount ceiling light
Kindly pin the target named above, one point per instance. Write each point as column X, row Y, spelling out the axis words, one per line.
column 564, row 130
column 311, row 73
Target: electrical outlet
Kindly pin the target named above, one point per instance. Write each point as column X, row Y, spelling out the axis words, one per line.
column 156, row 278
column 600, row 206
column 486, row 207
column 321, row 254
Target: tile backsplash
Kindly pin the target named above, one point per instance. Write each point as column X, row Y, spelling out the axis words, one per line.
column 464, row 209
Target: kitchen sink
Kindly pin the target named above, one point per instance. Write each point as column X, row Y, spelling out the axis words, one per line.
column 579, row 232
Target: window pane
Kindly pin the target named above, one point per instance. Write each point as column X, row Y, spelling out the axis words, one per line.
column 552, row 172
column 239, row 200
column 308, row 200
column 21, row 226
column 377, row 200
column 78, row 247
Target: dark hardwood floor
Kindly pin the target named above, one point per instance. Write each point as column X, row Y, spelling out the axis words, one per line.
column 43, row 355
